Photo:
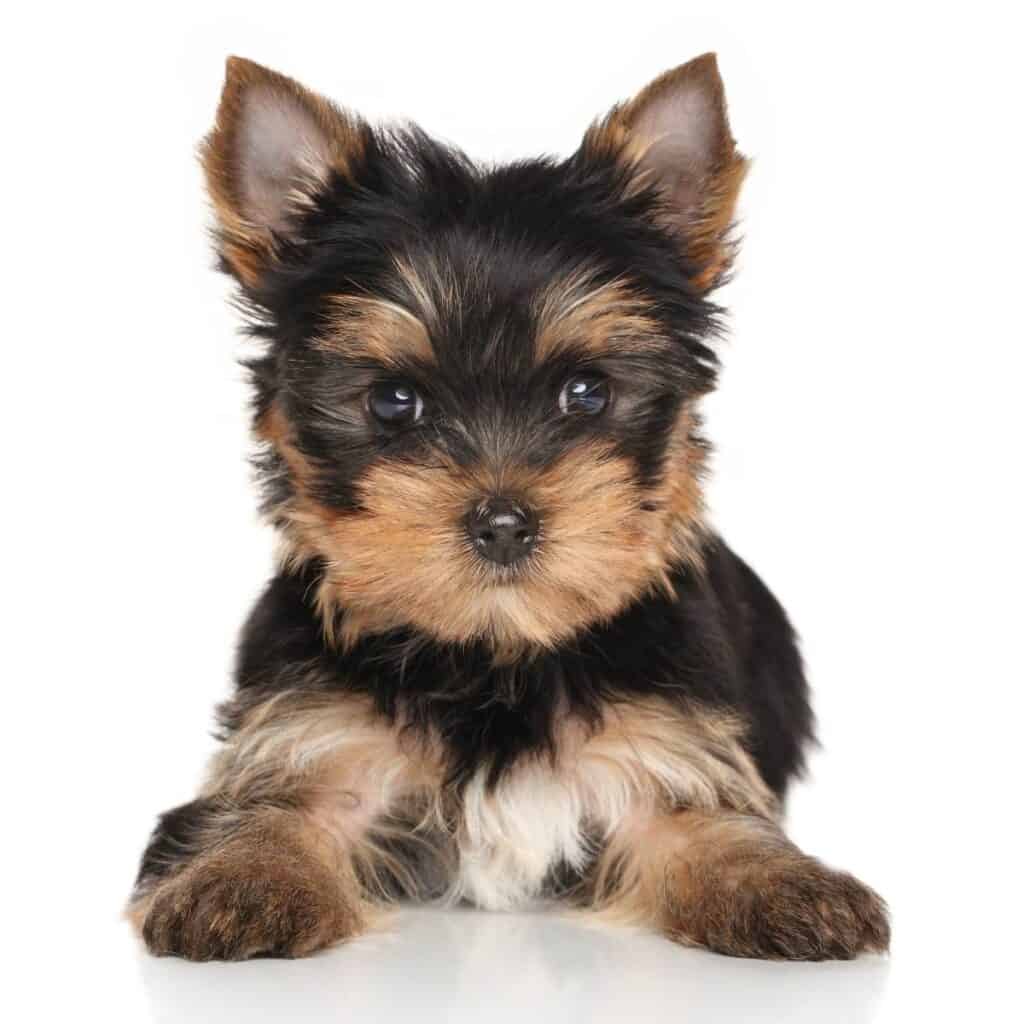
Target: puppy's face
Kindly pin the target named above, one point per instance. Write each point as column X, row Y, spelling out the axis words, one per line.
column 478, row 395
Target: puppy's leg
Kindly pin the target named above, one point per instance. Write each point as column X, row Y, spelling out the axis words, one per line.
column 735, row 884
column 273, row 857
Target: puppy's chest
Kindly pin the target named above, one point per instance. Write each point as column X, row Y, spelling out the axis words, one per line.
column 547, row 814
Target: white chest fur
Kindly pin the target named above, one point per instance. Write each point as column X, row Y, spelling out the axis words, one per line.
column 513, row 835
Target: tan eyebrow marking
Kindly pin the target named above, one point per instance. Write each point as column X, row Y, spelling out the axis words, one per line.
column 576, row 313
column 362, row 326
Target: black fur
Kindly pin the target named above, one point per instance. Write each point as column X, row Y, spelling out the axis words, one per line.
column 177, row 834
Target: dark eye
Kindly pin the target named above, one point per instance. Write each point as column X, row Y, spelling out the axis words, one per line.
column 587, row 393
column 395, row 402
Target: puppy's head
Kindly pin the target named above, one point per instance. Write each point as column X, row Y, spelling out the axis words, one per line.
column 478, row 393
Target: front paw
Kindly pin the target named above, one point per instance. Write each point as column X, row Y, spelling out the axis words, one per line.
column 233, row 909
column 797, row 909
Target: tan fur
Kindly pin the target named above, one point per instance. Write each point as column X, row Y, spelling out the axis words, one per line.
column 363, row 327
column 709, row 244
column 431, row 287
column 700, row 201
column 302, row 744
column 274, row 429
column 579, row 316
column 246, row 242
column 680, row 496
column 735, row 884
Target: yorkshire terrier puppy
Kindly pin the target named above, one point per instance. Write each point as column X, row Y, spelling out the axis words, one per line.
column 505, row 657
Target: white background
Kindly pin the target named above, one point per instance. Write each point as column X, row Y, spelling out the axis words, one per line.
column 868, row 431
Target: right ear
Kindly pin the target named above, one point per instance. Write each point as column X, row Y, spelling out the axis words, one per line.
column 675, row 135
column 274, row 145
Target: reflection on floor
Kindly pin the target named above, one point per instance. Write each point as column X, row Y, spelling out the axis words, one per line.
column 448, row 965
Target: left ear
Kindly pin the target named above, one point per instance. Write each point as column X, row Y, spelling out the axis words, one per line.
column 675, row 135
column 274, row 146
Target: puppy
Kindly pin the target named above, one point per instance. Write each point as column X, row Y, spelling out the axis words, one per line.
column 505, row 658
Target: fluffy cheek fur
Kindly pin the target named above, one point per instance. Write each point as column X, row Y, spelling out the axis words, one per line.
column 404, row 558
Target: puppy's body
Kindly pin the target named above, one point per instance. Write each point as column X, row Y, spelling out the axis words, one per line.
column 505, row 657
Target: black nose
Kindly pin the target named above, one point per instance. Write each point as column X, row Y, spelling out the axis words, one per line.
column 502, row 530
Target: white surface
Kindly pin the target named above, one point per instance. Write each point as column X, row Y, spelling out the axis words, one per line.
column 868, row 432
column 468, row 965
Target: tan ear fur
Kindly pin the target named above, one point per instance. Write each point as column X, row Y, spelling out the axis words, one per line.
column 274, row 143
column 675, row 134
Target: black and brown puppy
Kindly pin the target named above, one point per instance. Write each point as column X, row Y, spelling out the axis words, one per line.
column 505, row 656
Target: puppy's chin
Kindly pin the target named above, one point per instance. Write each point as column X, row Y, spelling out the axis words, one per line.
column 513, row 610
column 491, row 577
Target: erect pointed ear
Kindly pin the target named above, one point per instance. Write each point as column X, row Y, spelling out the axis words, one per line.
column 675, row 135
column 273, row 146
